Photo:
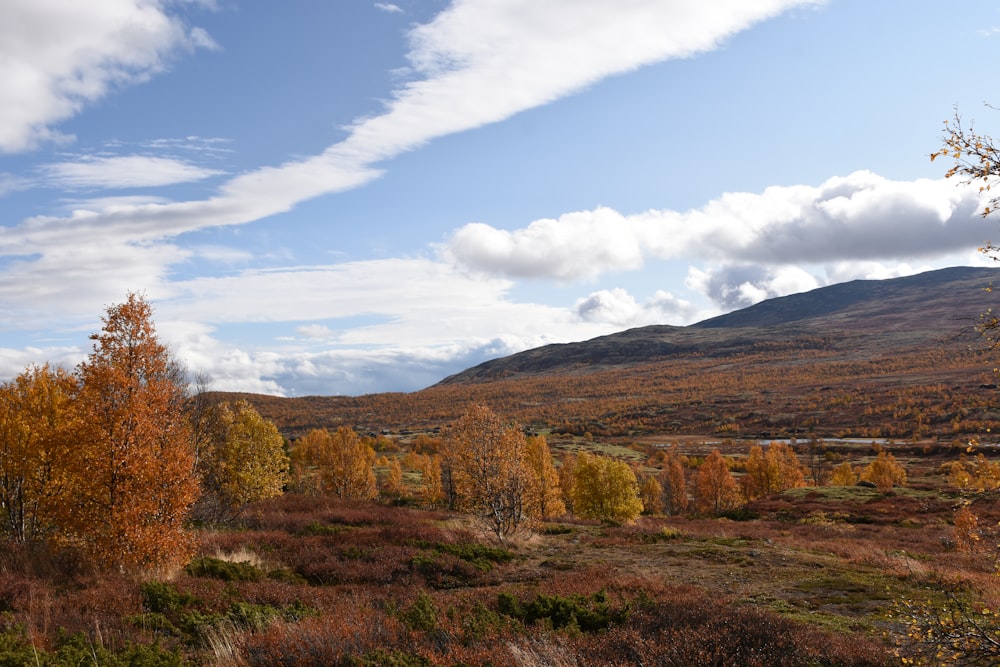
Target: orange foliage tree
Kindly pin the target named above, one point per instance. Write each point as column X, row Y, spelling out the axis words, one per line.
column 772, row 471
column 675, row 495
column 546, row 494
column 885, row 472
column 716, row 489
column 36, row 434
column 339, row 463
column 133, row 472
column 651, row 494
column 485, row 459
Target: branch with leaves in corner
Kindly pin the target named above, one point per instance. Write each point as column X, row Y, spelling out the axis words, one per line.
column 976, row 160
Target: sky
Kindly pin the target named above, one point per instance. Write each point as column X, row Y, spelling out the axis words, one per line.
column 342, row 197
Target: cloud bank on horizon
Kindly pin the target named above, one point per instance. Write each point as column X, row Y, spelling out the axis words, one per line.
column 515, row 173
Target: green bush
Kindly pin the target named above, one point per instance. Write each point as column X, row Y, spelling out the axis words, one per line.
column 421, row 615
column 160, row 597
column 576, row 612
column 481, row 556
column 78, row 649
column 216, row 568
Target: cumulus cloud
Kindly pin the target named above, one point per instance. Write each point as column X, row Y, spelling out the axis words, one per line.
column 619, row 308
column 388, row 7
column 860, row 216
column 58, row 56
column 126, row 171
column 739, row 286
column 575, row 246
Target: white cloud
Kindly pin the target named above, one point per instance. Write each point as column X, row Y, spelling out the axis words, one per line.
column 619, row 308
column 12, row 183
column 576, row 246
column 56, row 56
column 477, row 62
column 316, row 331
column 739, row 286
column 13, row 362
column 388, row 7
column 126, row 171
column 860, row 216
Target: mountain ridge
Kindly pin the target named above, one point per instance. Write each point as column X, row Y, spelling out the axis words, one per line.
column 923, row 306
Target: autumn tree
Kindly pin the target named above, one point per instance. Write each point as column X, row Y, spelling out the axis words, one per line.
column 967, row 531
column 885, row 472
column 844, row 475
column 716, row 491
column 567, row 481
column 487, row 470
column 392, row 482
column 134, row 462
column 546, row 494
column 978, row 474
column 772, row 471
column 430, row 479
column 240, row 459
column 673, row 483
column 37, row 422
column 338, row 463
column 605, row 489
column 651, row 495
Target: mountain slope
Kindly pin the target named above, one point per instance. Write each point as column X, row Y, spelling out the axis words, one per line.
column 896, row 358
column 865, row 317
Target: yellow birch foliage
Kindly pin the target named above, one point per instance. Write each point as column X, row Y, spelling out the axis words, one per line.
column 885, row 472
column 979, row 474
column 567, row 480
column 37, row 424
column 241, row 459
column 716, row 491
column 134, row 464
column 605, row 489
column 772, row 471
column 844, row 475
column 430, row 476
column 546, row 494
column 340, row 462
column 651, row 495
column 967, row 533
column 392, row 483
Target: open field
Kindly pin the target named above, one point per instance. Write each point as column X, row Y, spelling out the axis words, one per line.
column 811, row 576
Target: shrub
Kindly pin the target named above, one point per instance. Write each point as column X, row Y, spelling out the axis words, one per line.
column 216, row 568
column 576, row 612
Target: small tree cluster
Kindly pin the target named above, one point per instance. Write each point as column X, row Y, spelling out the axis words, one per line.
column 102, row 460
column 772, row 471
column 978, row 474
column 716, row 490
column 885, row 472
column 339, row 463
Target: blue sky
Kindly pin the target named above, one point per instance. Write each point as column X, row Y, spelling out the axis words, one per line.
column 346, row 197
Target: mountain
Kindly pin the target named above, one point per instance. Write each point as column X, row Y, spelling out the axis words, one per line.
column 896, row 358
column 871, row 316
